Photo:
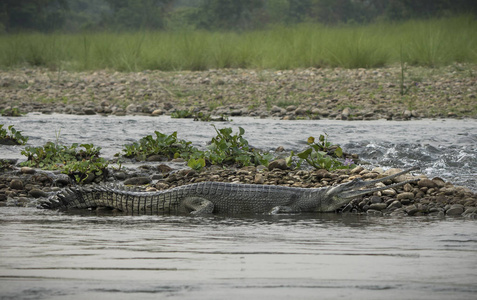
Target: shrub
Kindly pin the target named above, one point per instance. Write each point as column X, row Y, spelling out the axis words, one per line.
column 322, row 155
column 77, row 163
column 166, row 145
column 11, row 135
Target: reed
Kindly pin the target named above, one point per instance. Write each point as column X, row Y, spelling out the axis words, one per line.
column 431, row 42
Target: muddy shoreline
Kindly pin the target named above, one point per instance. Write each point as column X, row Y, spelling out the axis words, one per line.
column 343, row 94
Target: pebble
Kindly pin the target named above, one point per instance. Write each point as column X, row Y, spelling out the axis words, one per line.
column 426, row 183
column 27, row 170
column 439, row 182
column 389, row 192
column 322, row 173
column 405, row 195
column 120, row 175
column 16, row 184
column 62, row 179
column 395, row 204
column 137, row 181
column 378, row 206
column 412, row 211
column 37, row 193
column 164, row 168
column 357, row 170
column 376, row 199
column 89, row 111
column 278, row 164
column 157, row 112
column 276, row 109
column 455, row 210
column 155, row 157
column 258, row 179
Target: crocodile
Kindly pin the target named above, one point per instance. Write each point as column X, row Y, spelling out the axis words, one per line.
column 217, row 198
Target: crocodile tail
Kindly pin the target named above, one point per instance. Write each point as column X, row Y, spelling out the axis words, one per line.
column 81, row 196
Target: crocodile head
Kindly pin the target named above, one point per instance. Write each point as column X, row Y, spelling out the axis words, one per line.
column 339, row 195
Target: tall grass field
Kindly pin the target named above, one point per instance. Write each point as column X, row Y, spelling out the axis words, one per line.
column 431, row 42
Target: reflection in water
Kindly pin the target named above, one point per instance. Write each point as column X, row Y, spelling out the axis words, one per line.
column 48, row 254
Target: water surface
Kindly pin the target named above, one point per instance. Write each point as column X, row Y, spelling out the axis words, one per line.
column 52, row 255
column 49, row 255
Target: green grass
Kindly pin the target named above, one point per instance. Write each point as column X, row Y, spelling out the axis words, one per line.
column 431, row 42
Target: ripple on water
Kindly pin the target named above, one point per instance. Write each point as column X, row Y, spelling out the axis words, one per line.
column 47, row 254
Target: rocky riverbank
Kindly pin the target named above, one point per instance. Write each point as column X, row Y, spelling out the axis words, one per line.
column 426, row 197
column 342, row 94
column 356, row 94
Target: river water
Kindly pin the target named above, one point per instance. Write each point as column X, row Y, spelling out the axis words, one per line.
column 444, row 148
column 52, row 255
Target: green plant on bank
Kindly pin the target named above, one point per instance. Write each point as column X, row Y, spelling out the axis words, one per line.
column 228, row 149
column 13, row 135
column 43, row 99
column 182, row 114
column 402, row 89
column 286, row 103
column 322, row 155
column 225, row 149
column 198, row 116
column 11, row 112
column 410, row 101
column 166, row 145
column 213, row 104
column 196, row 163
column 77, row 163
column 5, row 164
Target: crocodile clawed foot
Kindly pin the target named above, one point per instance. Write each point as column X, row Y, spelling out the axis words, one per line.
column 281, row 210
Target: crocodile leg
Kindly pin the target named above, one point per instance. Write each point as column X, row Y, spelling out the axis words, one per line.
column 198, row 205
column 281, row 210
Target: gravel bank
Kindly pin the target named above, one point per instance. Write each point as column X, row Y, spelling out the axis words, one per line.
column 427, row 197
column 356, row 94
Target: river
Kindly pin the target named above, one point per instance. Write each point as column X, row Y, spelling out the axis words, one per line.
column 53, row 255
column 444, row 148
